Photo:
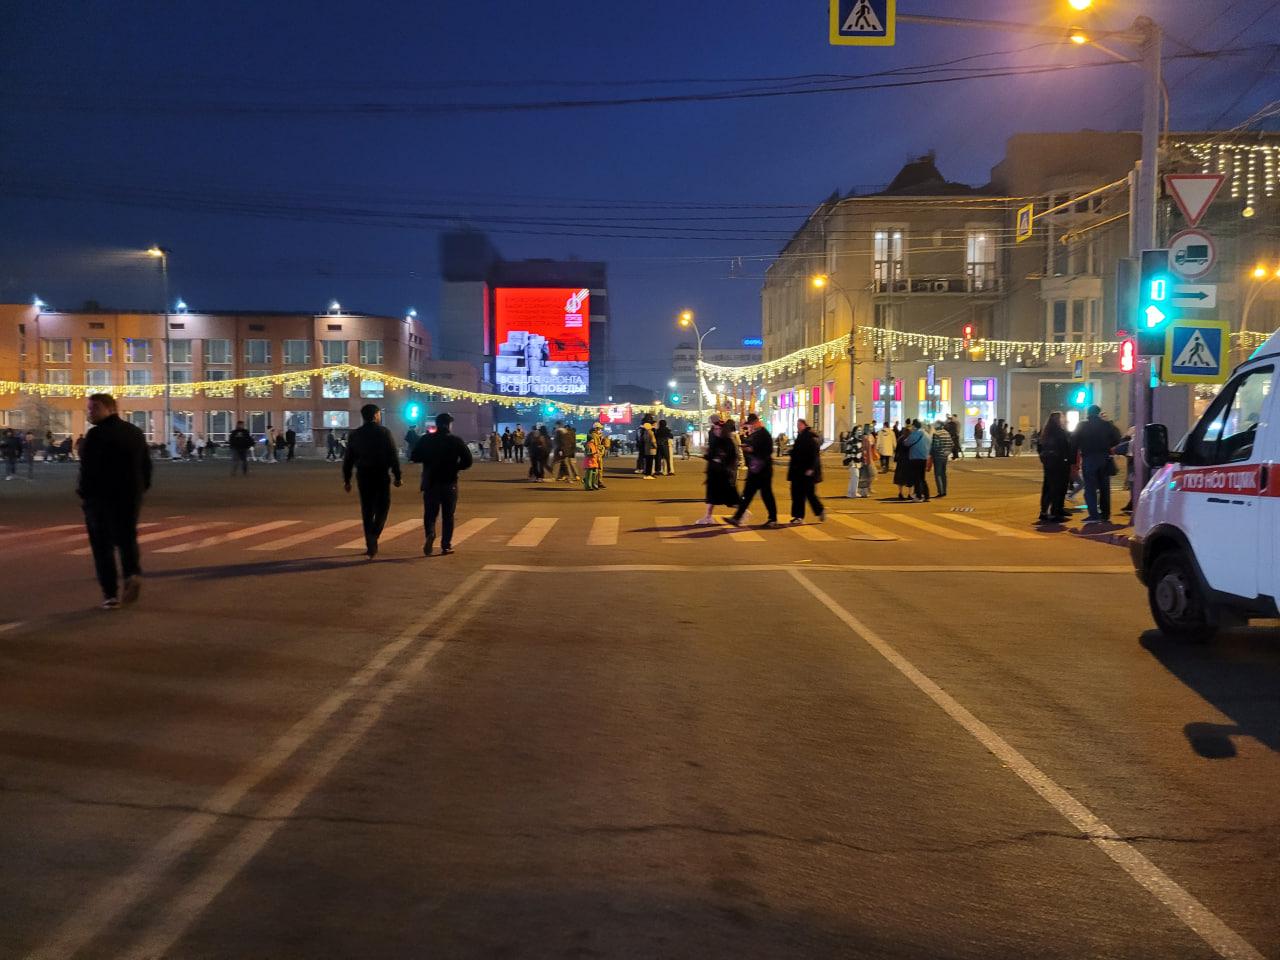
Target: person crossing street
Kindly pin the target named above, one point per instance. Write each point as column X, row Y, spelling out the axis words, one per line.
column 443, row 456
column 805, row 473
column 759, row 455
column 241, row 442
column 115, row 472
column 371, row 452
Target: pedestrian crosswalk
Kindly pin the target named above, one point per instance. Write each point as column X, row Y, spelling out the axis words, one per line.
column 183, row 536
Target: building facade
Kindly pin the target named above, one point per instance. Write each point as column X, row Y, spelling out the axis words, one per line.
column 127, row 349
column 931, row 258
column 683, row 383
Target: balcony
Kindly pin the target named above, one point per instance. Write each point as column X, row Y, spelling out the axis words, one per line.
column 981, row 283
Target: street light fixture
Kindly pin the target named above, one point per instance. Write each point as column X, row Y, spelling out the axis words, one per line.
column 686, row 319
column 821, row 281
column 160, row 254
column 1080, row 4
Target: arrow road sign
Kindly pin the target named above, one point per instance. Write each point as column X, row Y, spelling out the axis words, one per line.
column 1194, row 296
column 863, row 23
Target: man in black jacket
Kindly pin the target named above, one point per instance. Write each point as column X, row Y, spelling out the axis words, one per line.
column 759, row 456
column 290, row 441
column 443, row 456
column 1094, row 440
column 115, row 471
column 805, row 473
column 241, row 442
column 371, row 452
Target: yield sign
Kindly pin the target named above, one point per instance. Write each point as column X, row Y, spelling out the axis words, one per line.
column 1193, row 192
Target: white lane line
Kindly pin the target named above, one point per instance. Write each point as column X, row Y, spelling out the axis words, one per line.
column 741, row 534
column 1110, row 570
column 996, row 528
column 80, row 537
column 470, row 529
column 604, row 532
column 122, row 894
column 1224, row 941
column 869, row 529
column 388, row 534
column 671, row 529
column 533, row 532
column 40, row 531
column 306, row 536
column 229, row 537
column 930, row 527
column 12, row 625
column 809, row 532
column 205, row 887
column 153, row 537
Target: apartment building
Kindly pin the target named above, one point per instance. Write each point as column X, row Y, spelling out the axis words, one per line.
column 684, row 362
column 127, row 351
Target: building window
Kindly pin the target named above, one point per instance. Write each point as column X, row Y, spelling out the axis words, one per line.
column 180, row 376
column 56, row 351
column 298, row 389
column 1058, row 320
column 258, row 422
column 217, row 374
column 337, row 419
column 179, row 351
column 337, row 388
column 184, row 421
column 888, row 262
column 1073, row 321
column 217, row 351
column 299, row 421
column 136, row 378
column 60, row 422
column 371, row 389
column 371, row 353
column 297, row 352
column 97, row 351
column 218, row 425
column 257, row 351
column 140, row 419
column 980, row 259
column 335, row 351
column 97, row 377
column 137, row 351
column 260, row 390
column 61, row 377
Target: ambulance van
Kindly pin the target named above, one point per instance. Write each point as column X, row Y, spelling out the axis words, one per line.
column 1207, row 524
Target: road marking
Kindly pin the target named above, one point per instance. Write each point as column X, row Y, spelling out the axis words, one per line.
column 40, row 531
column 228, row 537
column 671, row 529
column 809, row 532
column 533, row 532
column 1083, row 571
column 122, row 894
column 205, row 887
column 930, row 527
column 80, row 537
column 1225, row 941
column 604, row 532
column 388, row 533
column 741, row 534
column 997, row 529
column 870, row 529
column 12, row 625
column 307, row 536
column 152, row 537
column 470, row 528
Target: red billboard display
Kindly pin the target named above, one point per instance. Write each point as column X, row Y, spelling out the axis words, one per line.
column 543, row 340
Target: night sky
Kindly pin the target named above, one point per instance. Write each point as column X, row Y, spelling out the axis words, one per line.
column 289, row 154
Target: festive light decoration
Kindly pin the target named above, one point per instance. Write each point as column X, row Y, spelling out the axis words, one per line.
column 263, row 385
column 1250, row 166
column 931, row 346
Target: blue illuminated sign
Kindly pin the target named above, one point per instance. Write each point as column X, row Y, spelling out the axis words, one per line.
column 753, row 341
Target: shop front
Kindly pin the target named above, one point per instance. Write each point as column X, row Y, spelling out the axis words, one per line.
column 979, row 404
column 887, row 405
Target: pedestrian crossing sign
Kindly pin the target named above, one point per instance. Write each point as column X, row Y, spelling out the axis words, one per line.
column 863, row 23
column 1196, row 351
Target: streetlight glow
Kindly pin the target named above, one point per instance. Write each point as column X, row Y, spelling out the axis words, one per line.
column 671, row 384
column 1080, row 4
column 1079, row 38
column 820, row 280
column 38, row 303
column 686, row 317
column 1259, row 272
column 155, row 251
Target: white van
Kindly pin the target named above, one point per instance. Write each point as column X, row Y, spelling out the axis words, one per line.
column 1207, row 524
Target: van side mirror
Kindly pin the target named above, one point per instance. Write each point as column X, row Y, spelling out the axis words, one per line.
column 1155, row 445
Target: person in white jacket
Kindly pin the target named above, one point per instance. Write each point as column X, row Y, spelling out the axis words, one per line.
column 886, row 443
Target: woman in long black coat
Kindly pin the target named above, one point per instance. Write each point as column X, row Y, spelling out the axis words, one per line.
column 722, row 468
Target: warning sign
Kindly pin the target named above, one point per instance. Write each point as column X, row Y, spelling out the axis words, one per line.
column 862, row 23
column 1196, row 351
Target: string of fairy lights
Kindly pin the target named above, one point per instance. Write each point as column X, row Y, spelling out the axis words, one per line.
column 933, row 347
column 337, row 376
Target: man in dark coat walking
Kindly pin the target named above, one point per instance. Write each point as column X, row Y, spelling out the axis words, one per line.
column 443, row 456
column 759, row 456
column 115, row 471
column 805, row 473
column 290, row 441
column 241, row 442
column 371, row 452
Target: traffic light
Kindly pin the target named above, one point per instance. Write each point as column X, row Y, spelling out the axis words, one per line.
column 1155, row 289
column 412, row 411
column 1082, row 397
column 1128, row 355
column 968, row 335
column 675, row 398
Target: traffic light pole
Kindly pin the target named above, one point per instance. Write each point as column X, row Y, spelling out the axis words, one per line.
column 1143, row 234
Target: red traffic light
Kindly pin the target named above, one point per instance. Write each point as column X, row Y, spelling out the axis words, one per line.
column 1128, row 356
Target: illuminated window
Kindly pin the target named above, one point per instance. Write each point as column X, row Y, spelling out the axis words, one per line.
column 336, row 388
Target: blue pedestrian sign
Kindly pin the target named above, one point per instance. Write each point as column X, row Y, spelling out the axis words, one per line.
column 1196, row 351
column 863, row 23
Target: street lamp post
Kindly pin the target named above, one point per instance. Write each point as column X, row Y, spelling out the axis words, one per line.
column 686, row 320
column 1261, row 277
column 822, row 281
column 162, row 255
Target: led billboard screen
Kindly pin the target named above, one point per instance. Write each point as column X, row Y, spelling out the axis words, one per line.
column 543, row 338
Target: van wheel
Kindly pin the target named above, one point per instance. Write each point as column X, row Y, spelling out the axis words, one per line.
column 1177, row 604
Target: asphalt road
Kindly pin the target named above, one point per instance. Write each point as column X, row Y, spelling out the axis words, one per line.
column 915, row 730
